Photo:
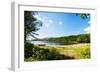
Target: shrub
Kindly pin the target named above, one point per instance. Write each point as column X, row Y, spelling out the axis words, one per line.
column 85, row 54
column 83, row 38
column 28, row 50
column 41, row 54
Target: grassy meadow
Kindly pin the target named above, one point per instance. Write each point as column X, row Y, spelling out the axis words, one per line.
column 77, row 51
column 74, row 51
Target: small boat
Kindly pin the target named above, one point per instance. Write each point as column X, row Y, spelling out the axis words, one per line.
column 41, row 44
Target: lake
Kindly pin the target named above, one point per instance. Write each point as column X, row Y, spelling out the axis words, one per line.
column 47, row 43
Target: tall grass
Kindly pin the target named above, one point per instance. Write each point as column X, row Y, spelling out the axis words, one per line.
column 42, row 53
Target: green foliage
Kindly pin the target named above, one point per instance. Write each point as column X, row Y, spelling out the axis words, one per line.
column 84, row 38
column 28, row 50
column 41, row 54
column 29, row 59
column 31, row 24
column 67, row 40
column 85, row 54
column 59, row 53
column 83, row 16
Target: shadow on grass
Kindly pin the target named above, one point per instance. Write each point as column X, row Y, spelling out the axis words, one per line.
column 44, row 54
column 62, row 57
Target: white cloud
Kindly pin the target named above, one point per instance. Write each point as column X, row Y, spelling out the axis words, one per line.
column 88, row 16
column 89, row 22
column 46, row 25
column 87, row 29
column 47, row 22
column 50, row 21
column 60, row 22
column 38, row 17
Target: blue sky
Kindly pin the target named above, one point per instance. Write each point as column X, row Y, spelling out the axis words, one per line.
column 61, row 24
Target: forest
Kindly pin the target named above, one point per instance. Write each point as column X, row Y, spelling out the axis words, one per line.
column 67, row 40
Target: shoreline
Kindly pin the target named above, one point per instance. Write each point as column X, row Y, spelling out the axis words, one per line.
column 67, row 46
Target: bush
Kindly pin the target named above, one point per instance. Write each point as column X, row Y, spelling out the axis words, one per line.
column 85, row 54
column 28, row 50
column 84, row 38
column 42, row 54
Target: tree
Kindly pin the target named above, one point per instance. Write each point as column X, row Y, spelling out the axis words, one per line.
column 28, row 49
column 83, row 16
column 31, row 24
column 83, row 38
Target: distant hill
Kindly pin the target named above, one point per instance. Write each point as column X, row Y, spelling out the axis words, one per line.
column 72, row 39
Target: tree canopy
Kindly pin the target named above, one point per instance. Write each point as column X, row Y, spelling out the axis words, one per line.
column 83, row 15
column 31, row 24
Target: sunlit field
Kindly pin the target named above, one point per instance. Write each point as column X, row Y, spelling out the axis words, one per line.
column 76, row 51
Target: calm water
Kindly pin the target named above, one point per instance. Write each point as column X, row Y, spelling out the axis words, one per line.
column 48, row 43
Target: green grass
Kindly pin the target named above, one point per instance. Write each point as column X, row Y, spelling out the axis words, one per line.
column 77, row 51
